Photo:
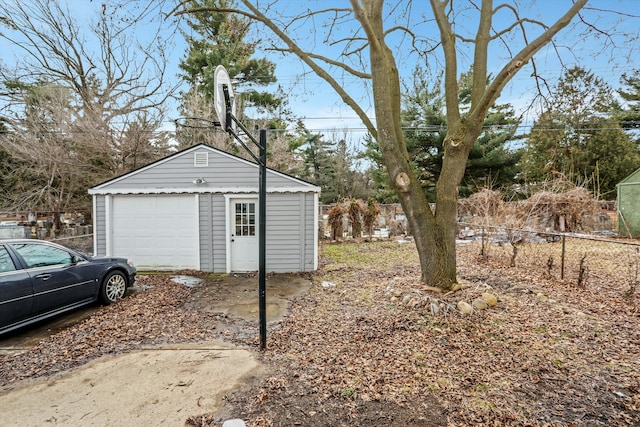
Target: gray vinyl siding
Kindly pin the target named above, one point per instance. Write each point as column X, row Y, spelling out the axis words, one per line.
column 100, row 226
column 310, row 226
column 223, row 171
column 287, row 236
column 219, row 225
column 212, row 233
column 205, row 232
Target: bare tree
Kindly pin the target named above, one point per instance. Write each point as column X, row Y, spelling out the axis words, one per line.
column 363, row 36
column 51, row 167
column 281, row 157
column 113, row 81
column 197, row 125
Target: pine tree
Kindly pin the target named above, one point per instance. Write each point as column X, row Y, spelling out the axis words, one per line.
column 218, row 38
column 578, row 138
column 317, row 154
column 630, row 116
column 490, row 164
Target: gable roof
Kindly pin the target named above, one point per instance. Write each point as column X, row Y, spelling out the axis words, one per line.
column 633, row 178
column 200, row 169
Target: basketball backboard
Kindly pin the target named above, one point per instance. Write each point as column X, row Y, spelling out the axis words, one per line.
column 221, row 79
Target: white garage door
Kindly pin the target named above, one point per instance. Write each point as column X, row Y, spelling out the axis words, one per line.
column 158, row 232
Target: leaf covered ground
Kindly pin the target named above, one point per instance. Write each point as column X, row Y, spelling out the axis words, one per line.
column 154, row 317
column 368, row 346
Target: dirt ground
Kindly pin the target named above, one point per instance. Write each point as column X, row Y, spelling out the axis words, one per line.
column 160, row 384
column 365, row 345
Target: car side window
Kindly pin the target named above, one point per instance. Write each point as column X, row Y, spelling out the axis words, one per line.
column 6, row 263
column 42, row 255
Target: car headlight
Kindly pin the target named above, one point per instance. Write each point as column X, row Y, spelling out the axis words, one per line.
column 130, row 263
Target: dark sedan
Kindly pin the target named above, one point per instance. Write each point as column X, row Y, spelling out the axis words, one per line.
column 41, row 279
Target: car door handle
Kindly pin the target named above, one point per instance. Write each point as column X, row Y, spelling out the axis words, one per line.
column 44, row 276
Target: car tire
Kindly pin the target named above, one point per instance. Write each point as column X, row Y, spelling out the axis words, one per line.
column 113, row 287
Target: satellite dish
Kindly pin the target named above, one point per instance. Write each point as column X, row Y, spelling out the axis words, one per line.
column 221, row 79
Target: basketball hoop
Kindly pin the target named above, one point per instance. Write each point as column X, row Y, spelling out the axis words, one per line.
column 225, row 105
column 221, row 80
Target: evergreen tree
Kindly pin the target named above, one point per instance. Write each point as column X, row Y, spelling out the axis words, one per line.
column 218, row 38
column 425, row 126
column 490, row 162
column 382, row 189
column 318, row 155
column 333, row 167
column 609, row 156
column 578, row 137
column 630, row 116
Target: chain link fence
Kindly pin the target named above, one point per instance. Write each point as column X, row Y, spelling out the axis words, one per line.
column 580, row 259
column 576, row 258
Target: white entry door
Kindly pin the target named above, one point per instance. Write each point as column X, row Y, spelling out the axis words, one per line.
column 244, row 235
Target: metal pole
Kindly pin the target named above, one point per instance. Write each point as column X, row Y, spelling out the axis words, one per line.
column 262, row 214
column 562, row 258
column 262, row 209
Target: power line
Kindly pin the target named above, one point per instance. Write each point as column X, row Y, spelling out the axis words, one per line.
column 625, row 126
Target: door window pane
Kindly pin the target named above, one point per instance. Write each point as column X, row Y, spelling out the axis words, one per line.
column 245, row 219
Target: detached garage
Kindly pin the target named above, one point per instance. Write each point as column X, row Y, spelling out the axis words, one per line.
column 629, row 205
column 198, row 209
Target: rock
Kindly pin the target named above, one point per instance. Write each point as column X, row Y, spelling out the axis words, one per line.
column 490, row 299
column 234, row 423
column 465, row 308
column 434, row 307
column 480, row 304
column 326, row 284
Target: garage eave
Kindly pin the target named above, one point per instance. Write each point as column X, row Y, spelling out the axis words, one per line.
column 201, row 190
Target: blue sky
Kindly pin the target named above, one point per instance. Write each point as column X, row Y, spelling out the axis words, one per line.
column 607, row 62
column 311, row 98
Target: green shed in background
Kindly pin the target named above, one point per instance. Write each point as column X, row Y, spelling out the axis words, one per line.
column 629, row 205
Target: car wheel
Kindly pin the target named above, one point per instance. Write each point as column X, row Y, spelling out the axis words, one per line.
column 113, row 287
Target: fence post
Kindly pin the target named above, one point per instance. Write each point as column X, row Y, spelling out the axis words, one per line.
column 562, row 258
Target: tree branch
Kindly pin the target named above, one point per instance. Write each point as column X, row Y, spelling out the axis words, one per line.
column 451, row 62
column 329, row 61
column 481, row 52
column 255, row 14
column 513, row 66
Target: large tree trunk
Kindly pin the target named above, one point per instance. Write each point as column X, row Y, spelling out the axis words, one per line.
column 457, row 144
column 434, row 233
